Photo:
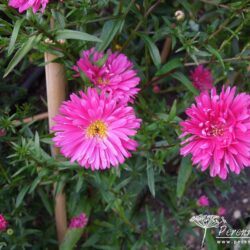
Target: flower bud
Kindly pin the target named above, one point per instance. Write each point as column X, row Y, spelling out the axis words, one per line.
column 156, row 89
column 179, row 15
column 10, row 231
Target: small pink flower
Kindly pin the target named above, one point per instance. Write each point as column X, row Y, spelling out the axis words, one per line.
column 23, row 5
column 202, row 78
column 203, row 201
column 114, row 75
column 79, row 221
column 221, row 211
column 156, row 89
column 3, row 223
column 95, row 130
column 218, row 130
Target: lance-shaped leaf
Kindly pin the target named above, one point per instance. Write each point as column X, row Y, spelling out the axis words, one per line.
column 76, row 35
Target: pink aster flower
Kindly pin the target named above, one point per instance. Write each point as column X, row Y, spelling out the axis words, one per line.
column 203, row 201
column 219, row 132
column 202, row 78
column 94, row 130
column 221, row 211
column 115, row 75
column 23, row 5
column 79, row 221
column 3, row 223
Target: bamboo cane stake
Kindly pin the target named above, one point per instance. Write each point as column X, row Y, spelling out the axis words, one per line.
column 56, row 85
column 166, row 49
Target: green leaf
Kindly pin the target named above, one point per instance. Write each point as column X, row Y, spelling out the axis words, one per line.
column 185, row 81
column 21, row 195
column 14, row 35
column 79, row 183
column 38, row 179
column 110, row 29
column 21, row 53
column 77, row 35
column 71, row 238
column 34, row 184
column 153, row 50
column 211, row 243
column 123, row 184
column 59, row 19
column 151, row 177
column 216, row 54
column 45, row 200
column 183, row 176
column 37, row 143
column 172, row 112
column 91, row 240
column 169, row 66
column 101, row 61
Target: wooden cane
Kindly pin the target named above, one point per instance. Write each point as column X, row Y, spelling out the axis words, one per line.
column 56, row 91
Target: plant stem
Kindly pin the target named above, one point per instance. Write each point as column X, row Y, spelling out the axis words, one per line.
column 38, row 117
column 232, row 59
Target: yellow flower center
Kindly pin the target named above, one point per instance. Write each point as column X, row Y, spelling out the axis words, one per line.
column 217, row 131
column 102, row 81
column 97, row 128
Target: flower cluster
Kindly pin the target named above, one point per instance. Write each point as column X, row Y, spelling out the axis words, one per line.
column 95, row 128
column 218, row 130
column 3, row 223
column 79, row 221
column 23, row 5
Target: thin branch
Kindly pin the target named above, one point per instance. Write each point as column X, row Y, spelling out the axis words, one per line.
column 233, row 59
column 34, row 118
column 216, row 4
column 139, row 24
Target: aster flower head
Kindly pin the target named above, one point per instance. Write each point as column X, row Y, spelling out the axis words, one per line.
column 203, row 201
column 23, row 5
column 112, row 72
column 3, row 223
column 79, row 221
column 218, row 127
column 94, row 130
column 202, row 78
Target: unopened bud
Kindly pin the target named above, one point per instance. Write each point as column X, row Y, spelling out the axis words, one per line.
column 2, row 132
column 118, row 47
column 156, row 89
column 10, row 231
column 179, row 15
